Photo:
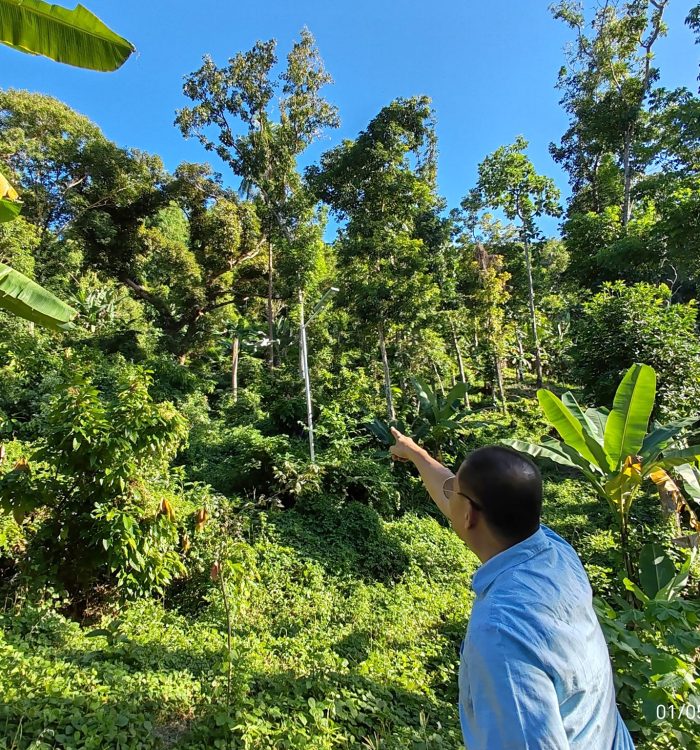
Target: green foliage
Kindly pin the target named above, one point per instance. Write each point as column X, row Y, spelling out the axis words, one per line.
column 98, row 479
column 625, row 324
column 613, row 449
column 653, row 647
column 76, row 37
column 325, row 653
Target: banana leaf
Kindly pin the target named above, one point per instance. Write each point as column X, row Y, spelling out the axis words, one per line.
column 8, row 210
column 598, row 418
column 75, row 37
column 25, row 298
column 679, row 457
column 691, row 480
column 627, row 424
column 426, row 398
column 565, row 423
column 656, row 569
column 661, row 436
column 381, row 431
column 9, row 204
column 551, row 452
column 572, row 405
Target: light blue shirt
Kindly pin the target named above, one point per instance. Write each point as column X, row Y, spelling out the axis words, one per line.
column 535, row 671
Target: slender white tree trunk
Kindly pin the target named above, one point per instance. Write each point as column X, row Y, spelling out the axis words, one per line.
column 234, row 367
column 533, row 318
column 387, row 376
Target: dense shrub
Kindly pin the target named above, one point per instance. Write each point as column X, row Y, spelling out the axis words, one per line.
column 96, row 483
column 622, row 325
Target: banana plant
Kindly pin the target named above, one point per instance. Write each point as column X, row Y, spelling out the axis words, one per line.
column 614, row 451
column 438, row 417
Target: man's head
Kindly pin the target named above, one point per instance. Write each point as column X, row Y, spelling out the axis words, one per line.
column 501, row 494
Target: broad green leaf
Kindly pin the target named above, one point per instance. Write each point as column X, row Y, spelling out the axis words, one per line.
column 75, row 37
column 569, row 400
column 631, row 586
column 661, row 436
column 456, row 394
column 9, row 203
column 675, row 586
column 627, row 423
column 656, row 569
column 426, row 397
column 565, row 423
column 9, row 210
column 539, row 451
column 691, row 480
column 598, row 418
column 23, row 297
column 680, row 456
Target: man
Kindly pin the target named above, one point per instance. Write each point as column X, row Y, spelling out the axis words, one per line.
column 534, row 671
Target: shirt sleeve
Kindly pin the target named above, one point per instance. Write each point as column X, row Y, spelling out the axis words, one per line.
column 511, row 703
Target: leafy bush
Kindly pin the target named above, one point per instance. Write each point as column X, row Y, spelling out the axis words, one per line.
column 98, row 482
column 625, row 324
column 654, row 646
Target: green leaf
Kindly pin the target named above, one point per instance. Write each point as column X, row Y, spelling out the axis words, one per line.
column 656, row 569
column 456, row 394
column 565, row 423
column 661, row 436
column 540, row 451
column 627, row 423
column 381, row 431
column 691, row 480
column 598, row 418
column 676, row 585
column 426, row 397
column 75, row 37
column 631, row 586
column 680, row 456
column 23, row 297
column 584, row 420
column 9, row 210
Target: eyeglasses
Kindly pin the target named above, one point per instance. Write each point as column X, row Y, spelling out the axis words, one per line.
column 451, row 487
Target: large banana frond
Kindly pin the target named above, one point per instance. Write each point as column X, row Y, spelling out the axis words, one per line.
column 627, row 424
column 24, row 297
column 75, row 37
column 565, row 423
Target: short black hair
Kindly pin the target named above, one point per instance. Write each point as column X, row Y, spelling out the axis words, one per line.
column 508, row 487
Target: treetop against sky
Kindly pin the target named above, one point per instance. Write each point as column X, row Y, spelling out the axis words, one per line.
column 489, row 68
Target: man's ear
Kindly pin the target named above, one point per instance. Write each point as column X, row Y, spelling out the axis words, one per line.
column 471, row 515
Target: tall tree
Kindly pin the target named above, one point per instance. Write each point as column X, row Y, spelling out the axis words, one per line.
column 382, row 185
column 508, row 182
column 235, row 116
column 606, row 85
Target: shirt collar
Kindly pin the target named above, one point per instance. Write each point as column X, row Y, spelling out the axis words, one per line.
column 515, row 555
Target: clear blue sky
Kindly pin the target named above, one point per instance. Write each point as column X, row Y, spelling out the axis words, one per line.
column 489, row 67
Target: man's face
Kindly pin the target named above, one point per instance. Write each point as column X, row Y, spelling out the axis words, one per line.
column 464, row 517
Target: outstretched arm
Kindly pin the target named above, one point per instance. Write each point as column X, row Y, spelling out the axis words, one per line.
column 432, row 472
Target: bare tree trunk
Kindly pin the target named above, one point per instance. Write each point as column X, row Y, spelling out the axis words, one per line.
column 533, row 319
column 270, row 313
column 387, row 376
column 307, row 380
column 234, row 367
column 439, row 379
column 627, row 168
column 521, row 359
column 460, row 363
column 499, row 379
